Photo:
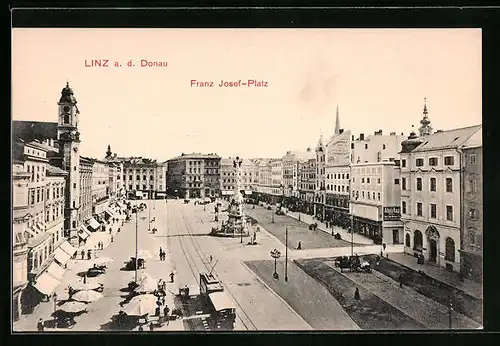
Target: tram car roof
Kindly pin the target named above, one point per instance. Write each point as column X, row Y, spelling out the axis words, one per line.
column 221, row 301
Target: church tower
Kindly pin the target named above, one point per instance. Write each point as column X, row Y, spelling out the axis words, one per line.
column 69, row 142
column 426, row 128
column 109, row 154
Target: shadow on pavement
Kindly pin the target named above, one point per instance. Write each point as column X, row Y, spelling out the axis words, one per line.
column 434, row 289
column 192, row 309
column 367, row 310
column 120, row 321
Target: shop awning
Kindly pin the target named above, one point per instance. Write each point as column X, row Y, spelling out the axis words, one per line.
column 61, row 256
column 66, row 246
column 93, row 223
column 83, row 233
column 110, row 213
column 46, row 284
column 38, row 228
column 56, row 271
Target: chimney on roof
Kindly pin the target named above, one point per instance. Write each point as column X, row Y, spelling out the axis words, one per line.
column 341, row 131
column 308, row 149
column 402, row 134
column 352, row 138
column 361, row 136
column 378, row 133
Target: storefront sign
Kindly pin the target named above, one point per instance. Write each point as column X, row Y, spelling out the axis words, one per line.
column 392, row 213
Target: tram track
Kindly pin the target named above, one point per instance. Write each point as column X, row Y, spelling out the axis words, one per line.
column 243, row 317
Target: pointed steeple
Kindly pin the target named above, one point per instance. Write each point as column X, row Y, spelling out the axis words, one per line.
column 108, row 152
column 425, row 129
column 337, row 122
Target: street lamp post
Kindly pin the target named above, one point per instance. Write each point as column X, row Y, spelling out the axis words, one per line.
column 55, row 308
column 450, row 311
column 275, row 254
column 149, row 211
column 286, row 254
column 352, row 235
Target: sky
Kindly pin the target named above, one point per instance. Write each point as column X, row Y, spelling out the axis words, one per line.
column 377, row 78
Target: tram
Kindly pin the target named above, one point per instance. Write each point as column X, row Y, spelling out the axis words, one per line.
column 220, row 307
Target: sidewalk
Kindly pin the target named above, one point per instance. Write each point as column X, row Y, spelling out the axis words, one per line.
column 451, row 278
column 422, row 309
column 308, row 219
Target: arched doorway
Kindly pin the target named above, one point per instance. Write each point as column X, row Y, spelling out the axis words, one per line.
column 417, row 240
column 407, row 240
column 433, row 240
column 449, row 250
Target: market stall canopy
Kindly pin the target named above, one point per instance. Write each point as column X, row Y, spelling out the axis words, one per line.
column 68, row 248
column 56, row 271
column 87, row 296
column 141, row 305
column 61, row 256
column 83, row 232
column 73, row 307
column 46, row 284
column 147, row 285
column 90, row 285
column 93, row 223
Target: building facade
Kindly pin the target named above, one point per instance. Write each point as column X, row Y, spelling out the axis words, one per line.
column 100, row 187
column 194, row 175
column 85, row 196
column 375, row 202
column 277, row 192
column 20, row 217
column 376, row 148
column 228, row 178
column 431, row 193
column 307, row 188
column 145, row 176
column 471, row 247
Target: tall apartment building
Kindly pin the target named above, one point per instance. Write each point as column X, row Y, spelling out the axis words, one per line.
column 375, row 201
column 291, row 173
column 194, row 175
column 471, row 247
column 228, row 176
column 431, row 193
column 277, row 192
column 307, row 187
column 264, row 174
column 145, row 176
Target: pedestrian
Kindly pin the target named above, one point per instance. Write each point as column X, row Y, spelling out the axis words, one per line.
column 83, row 254
column 140, row 328
column 356, row 294
column 151, row 327
column 401, row 280
column 112, row 238
column 171, row 276
column 161, row 253
column 40, row 325
column 299, row 246
column 157, row 311
column 84, row 279
column 89, row 254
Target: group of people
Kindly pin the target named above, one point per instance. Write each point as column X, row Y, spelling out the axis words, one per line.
column 89, row 254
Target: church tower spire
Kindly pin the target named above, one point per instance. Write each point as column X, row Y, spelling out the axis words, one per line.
column 108, row 152
column 426, row 128
column 337, row 122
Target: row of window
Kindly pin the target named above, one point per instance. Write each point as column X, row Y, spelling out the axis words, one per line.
column 371, row 196
column 337, row 188
column 432, row 210
column 337, row 176
column 144, row 187
column 432, row 184
column 433, row 161
column 368, row 180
